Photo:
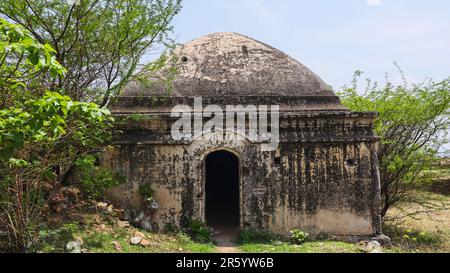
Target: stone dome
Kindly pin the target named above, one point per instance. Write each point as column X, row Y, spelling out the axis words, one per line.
column 228, row 68
column 231, row 64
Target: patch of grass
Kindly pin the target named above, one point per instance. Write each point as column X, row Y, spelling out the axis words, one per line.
column 198, row 231
column 53, row 238
column 95, row 181
column 308, row 247
column 146, row 191
column 170, row 228
column 298, row 236
column 260, row 241
column 416, row 240
column 100, row 237
column 426, row 232
column 197, row 248
column 427, row 229
column 250, row 235
column 414, row 236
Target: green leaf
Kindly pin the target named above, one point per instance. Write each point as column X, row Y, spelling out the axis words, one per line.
column 34, row 58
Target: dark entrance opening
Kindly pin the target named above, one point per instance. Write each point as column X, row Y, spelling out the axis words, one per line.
column 222, row 190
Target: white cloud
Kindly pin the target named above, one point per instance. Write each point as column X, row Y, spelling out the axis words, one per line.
column 373, row 2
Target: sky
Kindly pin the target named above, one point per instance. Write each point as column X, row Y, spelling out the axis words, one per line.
column 334, row 38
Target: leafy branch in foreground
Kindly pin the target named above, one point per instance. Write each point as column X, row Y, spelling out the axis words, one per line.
column 99, row 42
column 24, row 65
column 41, row 136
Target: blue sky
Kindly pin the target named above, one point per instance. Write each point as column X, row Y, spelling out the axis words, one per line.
column 336, row 37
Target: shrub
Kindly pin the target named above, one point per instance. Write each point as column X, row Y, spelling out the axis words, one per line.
column 298, row 236
column 251, row 235
column 146, row 191
column 129, row 30
column 417, row 237
column 198, row 231
column 170, row 228
column 412, row 238
column 95, row 183
column 183, row 238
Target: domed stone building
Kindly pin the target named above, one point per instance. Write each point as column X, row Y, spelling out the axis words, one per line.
column 322, row 176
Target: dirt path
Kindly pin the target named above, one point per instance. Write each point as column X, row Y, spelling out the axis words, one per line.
column 226, row 241
column 227, row 249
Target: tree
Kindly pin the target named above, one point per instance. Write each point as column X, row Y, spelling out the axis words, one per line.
column 413, row 124
column 99, row 42
column 40, row 136
column 24, row 65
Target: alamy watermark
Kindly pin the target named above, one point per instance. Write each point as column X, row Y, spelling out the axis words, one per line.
column 256, row 123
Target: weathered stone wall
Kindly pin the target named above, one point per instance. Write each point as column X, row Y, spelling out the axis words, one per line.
column 326, row 187
column 323, row 177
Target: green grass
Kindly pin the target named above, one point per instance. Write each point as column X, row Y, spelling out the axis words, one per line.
column 257, row 241
column 100, row 238
column 426, row 232
column 308, row 247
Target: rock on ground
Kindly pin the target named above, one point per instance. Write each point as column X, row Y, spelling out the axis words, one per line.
column 135, row 240
column 373, row 247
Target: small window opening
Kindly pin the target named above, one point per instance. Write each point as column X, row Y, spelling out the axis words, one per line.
column 277, row 160
column 350, row 162
column 245, row 50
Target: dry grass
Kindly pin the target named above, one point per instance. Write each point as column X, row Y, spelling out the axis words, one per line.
column 426, row 229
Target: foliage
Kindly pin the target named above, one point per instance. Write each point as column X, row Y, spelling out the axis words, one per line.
column 57, row 235
column 170, row 228
column 39, row 142
column 298, row 236
column 198, row 231
column 100, row 42
column 413, row 124
column 24, row 64
column 183, row 237
column 250, row 235
column 95, row 180
column 146, row 191
column 53, row 238
column 420, row 237
column 42, row 133
column 46, row 120
column 414, row 238
column 307, row 247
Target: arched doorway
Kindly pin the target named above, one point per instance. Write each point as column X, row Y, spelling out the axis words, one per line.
column 222, row 190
